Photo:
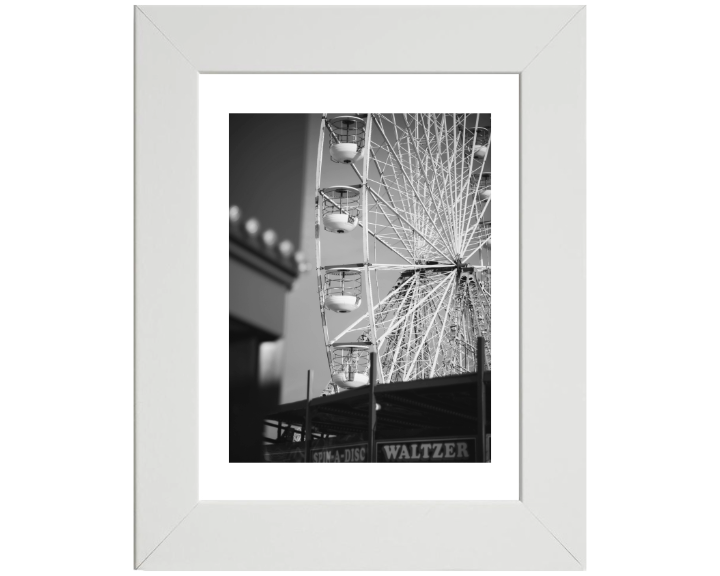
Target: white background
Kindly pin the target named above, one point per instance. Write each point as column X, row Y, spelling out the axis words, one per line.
column 66, row 288
column 221, row 94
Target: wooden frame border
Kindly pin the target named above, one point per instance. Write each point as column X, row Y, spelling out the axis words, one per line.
column 545, row 529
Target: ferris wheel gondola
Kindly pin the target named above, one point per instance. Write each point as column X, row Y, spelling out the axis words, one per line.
column 347, row 138
column 350, row 364
column 342, row 289
column 340, row 208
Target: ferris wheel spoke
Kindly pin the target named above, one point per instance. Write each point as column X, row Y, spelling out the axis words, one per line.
column 388, row 348
column 411, row 226
column 480, row 243
column 467, row 231
column 415, row 306
column 475, row 222
column 479, row 178
column 389, row 189
column 462, row 170
column 461, row 182
column 433, row 367
column 436, row 192
column 392, row 121
column 475, row 203
column 437, row 158
column 430, row 154
column 392, row 189
column 408, row 351
column 456, row 188
column 396, row 231
column 477, row 248
column 399, row 149
column 433, row 316
column 424, row 361
column 476, row 233
column 430, row 184
column 388, row 231
column 384, row 182
column 385, row 315
column 408, row 343
column 466, row 188
column 389, row 163
column 406, row 222
column 416, row 193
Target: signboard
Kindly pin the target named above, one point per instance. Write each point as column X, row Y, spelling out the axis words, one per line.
column 343, row 453
column 427, row 450
column 285, row 453
column 403, row 450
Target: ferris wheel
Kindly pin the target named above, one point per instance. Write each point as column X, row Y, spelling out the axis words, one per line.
column 413, row 193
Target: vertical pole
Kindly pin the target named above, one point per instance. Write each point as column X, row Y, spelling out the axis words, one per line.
column 308, row 426
column 482, row 448
column 372, row 457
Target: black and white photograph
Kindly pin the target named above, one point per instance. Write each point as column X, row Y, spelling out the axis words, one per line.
column 360, row 330
column 164, row 406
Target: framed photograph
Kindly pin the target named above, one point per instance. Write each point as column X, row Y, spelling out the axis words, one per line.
column 426, row 279
column 355, row 148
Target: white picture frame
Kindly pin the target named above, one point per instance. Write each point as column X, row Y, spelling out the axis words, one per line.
column 545, row 528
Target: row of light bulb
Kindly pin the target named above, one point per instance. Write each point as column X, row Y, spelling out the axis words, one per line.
column 269, row 238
